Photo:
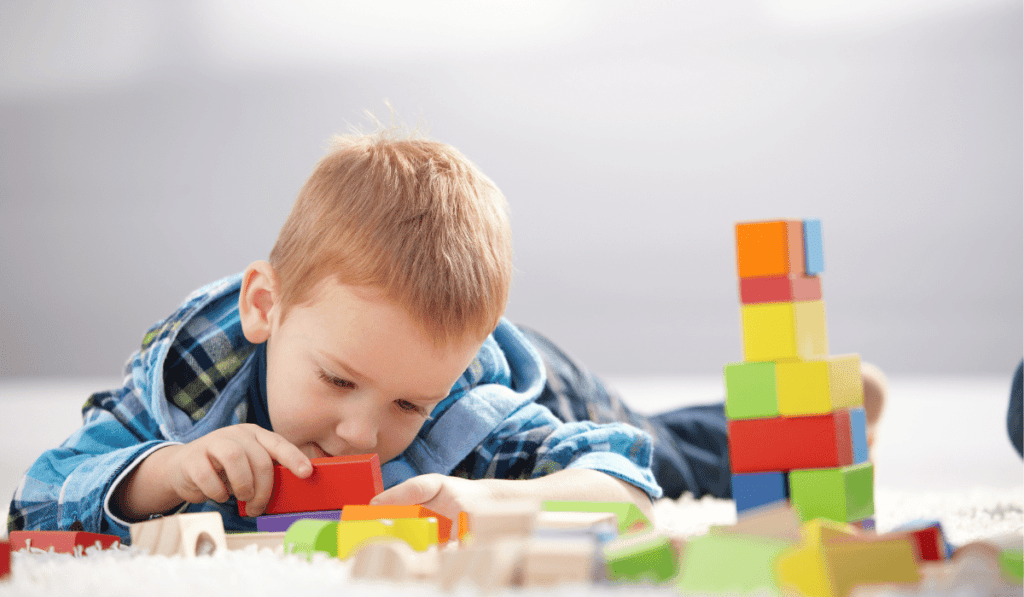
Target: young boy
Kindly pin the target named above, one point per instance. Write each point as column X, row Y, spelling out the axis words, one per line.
column 375, row 327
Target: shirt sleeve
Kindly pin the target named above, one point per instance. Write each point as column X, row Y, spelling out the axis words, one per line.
column 532, row 443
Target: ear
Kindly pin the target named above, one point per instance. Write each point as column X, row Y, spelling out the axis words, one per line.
column 256, row 301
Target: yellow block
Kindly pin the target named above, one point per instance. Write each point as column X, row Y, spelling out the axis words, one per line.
column 784, row 331
column 818, row 386
column 419, row 533
column 804, row 567
column 352, row 534
column 870, row 561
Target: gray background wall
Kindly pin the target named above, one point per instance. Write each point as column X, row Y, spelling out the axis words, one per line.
column 147, row 148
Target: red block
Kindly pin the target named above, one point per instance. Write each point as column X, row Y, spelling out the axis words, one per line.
column 5, row 559
column 336, row 482
column 60, row 541
column 790, row 443
column 780, row 289
column 929, row 544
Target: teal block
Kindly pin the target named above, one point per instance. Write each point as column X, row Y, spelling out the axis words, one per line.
column 750, row 391
column 814, row 255
column 859, row 435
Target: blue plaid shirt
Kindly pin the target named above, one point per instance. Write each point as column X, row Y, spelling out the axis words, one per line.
column 191, row 376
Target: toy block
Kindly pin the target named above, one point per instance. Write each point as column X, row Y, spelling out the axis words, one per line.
column 769, row 248
column 843, row 494
column 367, row 512
column 1011, row 562
column 394, row 560
column 61, row 541
column 630, row 518
column 419, row 533
column 787, row 443
column 555, row 561
column 802, row 567
column 273, row 523
column 490, row 566
column 869, row 560
column 780, row 289
column 784, row 331
column 750, row 391
column 867, row 525
column 818, row 386
column 599, row 526
column 859, row 435
column 353, row 534
column 814, row 254
column 187, row 535
column 647, row 558
column 501, row 519
column 930, row 541
column 308, row 536
column 755, row 490
column 463, row 525
column 336, row 481
column 730, row 563
column 776, row 521
column 5, row 559
column 240, row 541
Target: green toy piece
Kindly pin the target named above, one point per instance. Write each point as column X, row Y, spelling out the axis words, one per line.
column 630, row 517
column 1011, row 561
column 641, row 558
column 750, row 391
column 844, row 494
column 307, row 535
column 733, row 564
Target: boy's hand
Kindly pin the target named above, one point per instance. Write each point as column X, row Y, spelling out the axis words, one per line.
column 236, row 460
column 442, row 494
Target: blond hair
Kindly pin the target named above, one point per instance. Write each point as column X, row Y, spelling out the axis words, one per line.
column 413, row 218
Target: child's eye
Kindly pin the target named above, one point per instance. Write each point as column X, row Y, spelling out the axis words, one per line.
column 410, row 407
column 336, row 381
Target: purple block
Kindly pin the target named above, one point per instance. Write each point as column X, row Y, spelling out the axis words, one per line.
column 280, row 522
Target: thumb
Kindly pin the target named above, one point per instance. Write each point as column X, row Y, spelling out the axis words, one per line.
column 414, row 491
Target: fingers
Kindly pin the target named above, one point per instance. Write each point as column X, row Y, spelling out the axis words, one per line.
column 417, row 490
column 284, row 453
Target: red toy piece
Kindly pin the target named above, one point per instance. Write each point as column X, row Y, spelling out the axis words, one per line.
column 336, row 482
column 788, row 443
column 780, row 289
column 928, row 543
column 5, row 559
column 60, row 541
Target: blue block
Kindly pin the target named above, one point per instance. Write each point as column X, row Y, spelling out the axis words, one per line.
column 753, row 490
column 814, row 255
column 859, row 434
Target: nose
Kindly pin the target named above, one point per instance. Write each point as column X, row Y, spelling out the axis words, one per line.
column 358, row 428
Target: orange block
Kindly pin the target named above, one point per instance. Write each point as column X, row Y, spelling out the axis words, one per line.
column 368, row 512
column 766, row 249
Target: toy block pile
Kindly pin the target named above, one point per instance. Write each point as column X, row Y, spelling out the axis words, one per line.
column 797, row 427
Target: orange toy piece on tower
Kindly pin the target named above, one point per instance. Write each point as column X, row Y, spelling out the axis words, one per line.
column 336, row 482
column 766, row 249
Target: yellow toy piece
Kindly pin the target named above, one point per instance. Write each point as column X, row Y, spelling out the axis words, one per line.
column 818, row 386
column 784, row 331
column 803, row 568
column 419, row 533
column 353, row 534
column 870, row 560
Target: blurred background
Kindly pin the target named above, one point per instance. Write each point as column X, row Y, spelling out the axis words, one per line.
column 147, row 148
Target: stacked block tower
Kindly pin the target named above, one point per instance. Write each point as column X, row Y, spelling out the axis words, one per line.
column 797, row 427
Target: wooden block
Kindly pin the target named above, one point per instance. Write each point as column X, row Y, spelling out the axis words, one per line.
column 787, row 443
column 61, row 541
column 645, row 558
column 866, row 525
column 859, row 435
column 501, row 519
column 750, row 391
column 734, row 564
column 870, row 560
column 187, row 535
column 802, row 567
column 308, row 536
column 769, row 248
column 394, row 560
column 784, row 331
column 780, row 289
column 273, row 523
column 550, row 561
column 353, row 534
column 598, row 526
column 240, row 541
column 843, row 494
column 630, row 518
column 819, row 386
column 490, row 566
column 367, row 512
column 1011, row 563
column 752, row 491
column 814, row 255
column 776, row 521
column 5, row 559
column 336, row 482
column 463, row 525
column 419, row 533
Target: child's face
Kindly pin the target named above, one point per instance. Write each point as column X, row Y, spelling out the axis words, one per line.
column 350, row 373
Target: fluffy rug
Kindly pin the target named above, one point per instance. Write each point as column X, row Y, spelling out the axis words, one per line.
column 965, row 516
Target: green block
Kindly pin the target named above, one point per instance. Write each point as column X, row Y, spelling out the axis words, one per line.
column 307, row 535
column 750, row 391
column 733, row 564
column 845, row 494
column 1011, row 561
column 629, row 516
column 643, row 558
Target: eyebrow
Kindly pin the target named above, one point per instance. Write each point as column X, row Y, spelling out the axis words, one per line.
column 360, row 377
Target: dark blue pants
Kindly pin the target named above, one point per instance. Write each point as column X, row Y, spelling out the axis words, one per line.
column 691, row 447
column 1015, row 412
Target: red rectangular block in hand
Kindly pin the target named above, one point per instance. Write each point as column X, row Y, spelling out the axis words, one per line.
column 336, row 482
column 780, row 289
column 790, row 443
column 60, row 541
column 359, row 512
